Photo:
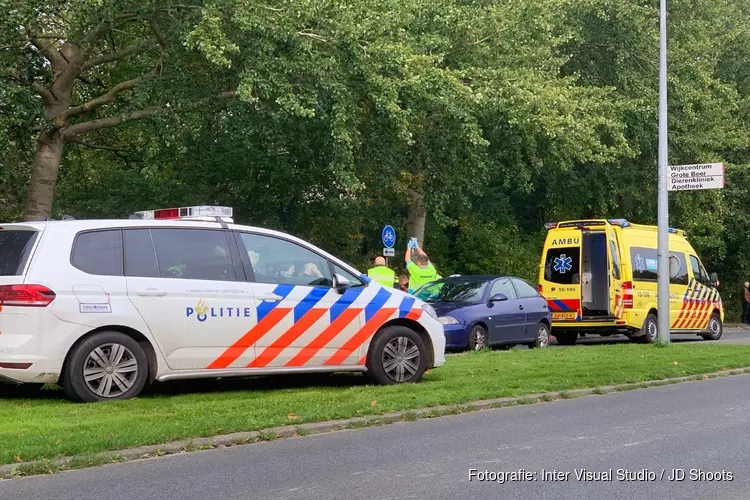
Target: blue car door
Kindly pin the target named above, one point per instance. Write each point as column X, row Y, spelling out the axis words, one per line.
column 534, row 305
column 507, row 317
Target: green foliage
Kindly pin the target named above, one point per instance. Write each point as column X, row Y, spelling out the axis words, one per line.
column 505, row 115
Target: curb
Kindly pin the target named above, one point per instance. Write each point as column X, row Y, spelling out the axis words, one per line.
column 11, row 471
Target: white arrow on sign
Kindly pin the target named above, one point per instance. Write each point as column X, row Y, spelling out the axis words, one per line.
column 696, row 176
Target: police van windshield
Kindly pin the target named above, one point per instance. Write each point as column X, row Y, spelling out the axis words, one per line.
column 562, row 265
column 453, row 291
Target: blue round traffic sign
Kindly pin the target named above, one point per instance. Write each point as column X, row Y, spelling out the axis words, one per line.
column 389, row 237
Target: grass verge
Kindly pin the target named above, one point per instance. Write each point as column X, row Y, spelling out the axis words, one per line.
column 41, row 425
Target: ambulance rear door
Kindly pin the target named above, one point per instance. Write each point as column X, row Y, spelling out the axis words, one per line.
column 616, row 291
column 561, row 274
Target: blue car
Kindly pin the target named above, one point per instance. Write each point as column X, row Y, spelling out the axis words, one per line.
column 483, row 311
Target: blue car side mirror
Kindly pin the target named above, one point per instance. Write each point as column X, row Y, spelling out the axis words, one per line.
column 498, row 297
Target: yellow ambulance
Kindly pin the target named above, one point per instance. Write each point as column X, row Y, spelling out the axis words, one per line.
column 599, row 276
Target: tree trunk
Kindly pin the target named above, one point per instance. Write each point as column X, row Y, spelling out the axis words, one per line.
column 44, row 171
column 417, row 217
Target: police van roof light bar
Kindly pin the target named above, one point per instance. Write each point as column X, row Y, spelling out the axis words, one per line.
column 221, row 214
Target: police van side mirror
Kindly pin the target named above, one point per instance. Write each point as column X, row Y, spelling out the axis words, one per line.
column 342, row 284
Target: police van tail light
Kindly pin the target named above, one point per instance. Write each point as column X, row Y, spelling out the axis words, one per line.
column 197, row 212
column 26, row 296
column 627, row 292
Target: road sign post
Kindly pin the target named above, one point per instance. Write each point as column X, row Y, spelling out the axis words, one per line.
column 663, row 201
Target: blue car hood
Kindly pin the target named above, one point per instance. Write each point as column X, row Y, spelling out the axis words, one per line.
column 443, row 308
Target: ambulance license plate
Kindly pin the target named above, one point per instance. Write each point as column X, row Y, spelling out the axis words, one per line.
column 564, row 316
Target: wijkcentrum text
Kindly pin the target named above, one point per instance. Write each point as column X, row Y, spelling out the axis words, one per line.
column 586, row 475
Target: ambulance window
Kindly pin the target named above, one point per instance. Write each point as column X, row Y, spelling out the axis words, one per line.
column 615, row 259
column 678, row 271
column 562, row 265
column 699, row 273
column 645, row 263
column 281, row 261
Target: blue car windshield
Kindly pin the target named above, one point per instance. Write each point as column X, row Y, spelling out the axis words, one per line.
column 452, row 291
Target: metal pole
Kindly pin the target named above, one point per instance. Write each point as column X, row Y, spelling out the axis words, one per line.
column 663, row 206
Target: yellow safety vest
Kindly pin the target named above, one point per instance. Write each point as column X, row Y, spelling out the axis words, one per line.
column 383, row 275
column 419, row 276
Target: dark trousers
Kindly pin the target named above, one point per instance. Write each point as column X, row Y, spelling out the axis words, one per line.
column 746, row 312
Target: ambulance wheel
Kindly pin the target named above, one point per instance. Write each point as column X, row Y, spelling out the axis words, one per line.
column 397, row 355
column 567, row 338
column 477, row 338
column 650, row 330
column 108, row 366
column 542, row 336
column 715, row 328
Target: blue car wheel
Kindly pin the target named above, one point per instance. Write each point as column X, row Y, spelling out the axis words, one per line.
column 477, row 338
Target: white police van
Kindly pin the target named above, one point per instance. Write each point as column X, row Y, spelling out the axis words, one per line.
column 106, row 306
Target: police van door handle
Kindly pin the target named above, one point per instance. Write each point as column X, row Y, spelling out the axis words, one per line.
column 151, row 292
column 271, row 297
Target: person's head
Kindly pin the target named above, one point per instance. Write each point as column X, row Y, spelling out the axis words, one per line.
column 403, row 280
column 182, row 266
column 423, row 260
column 379, row 261
column 254, row 256
column 309, row 269
column 747, row 284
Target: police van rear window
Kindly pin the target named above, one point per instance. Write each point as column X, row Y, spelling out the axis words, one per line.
column 15, row 248
column 562, row 265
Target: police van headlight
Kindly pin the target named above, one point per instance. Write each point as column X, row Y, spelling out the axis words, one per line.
column 430, row 310
column 448, row 320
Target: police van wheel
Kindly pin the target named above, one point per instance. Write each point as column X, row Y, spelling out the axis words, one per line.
column 397, row 355
column 715, row 328
column 108, row 366
column 567, row 338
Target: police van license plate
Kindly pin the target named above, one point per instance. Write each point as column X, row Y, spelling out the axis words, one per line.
column 564, row 316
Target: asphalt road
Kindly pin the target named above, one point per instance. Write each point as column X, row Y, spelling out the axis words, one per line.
column 732, row 335
column 697, row 425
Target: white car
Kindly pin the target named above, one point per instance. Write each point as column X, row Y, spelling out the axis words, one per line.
column 104, row 307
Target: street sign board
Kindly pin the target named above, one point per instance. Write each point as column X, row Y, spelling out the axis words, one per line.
column 389, row 237
column 696, row 176
column 389, row 252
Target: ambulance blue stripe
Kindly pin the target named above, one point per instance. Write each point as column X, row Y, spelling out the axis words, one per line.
column 309, row 302
column 562, row 305
column 266, row 307
column 406, row 305
column 344, row 302
column 377, row 303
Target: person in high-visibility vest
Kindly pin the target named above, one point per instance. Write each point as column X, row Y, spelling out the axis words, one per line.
column 421, row 272
column 382, row 274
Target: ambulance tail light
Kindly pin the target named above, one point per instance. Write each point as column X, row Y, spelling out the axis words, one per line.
column 196, row 212
column 26, row 295
column 627, row 292
column 540, row 289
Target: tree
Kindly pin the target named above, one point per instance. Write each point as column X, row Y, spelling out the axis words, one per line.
column 98, row 64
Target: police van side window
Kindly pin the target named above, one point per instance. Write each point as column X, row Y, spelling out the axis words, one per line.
column 562, row 265
column 140, row 255
column 275, row 260
column 98, row 252
column 199, row 254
